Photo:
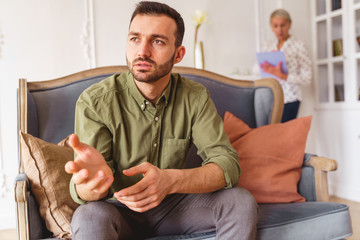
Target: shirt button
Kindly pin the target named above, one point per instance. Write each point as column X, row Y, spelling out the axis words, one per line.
column 156, row 119
column 142, row 106
column 155, row 145
column 147, row 103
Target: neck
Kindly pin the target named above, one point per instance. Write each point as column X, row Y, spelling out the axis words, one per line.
column 152, row 91
column 282, row 41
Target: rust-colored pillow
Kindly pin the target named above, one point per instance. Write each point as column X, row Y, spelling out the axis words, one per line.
column 44, row 165
column 270, row 157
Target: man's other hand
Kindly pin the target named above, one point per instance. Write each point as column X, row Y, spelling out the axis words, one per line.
column 147, row 193
column 91, row 175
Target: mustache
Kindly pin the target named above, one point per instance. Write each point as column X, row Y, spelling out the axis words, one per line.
column 140, row 59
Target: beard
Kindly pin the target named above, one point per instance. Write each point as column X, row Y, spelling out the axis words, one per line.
column 158, row 72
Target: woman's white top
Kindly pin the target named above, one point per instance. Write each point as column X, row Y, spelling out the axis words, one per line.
column 298, row 63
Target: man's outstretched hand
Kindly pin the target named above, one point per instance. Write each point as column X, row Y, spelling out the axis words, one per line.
column 91, row 175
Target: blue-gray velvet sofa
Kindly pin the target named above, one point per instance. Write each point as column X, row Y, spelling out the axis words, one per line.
column 46, row 111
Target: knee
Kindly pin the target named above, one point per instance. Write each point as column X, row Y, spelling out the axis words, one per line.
column 94, row 212
column 240, row 201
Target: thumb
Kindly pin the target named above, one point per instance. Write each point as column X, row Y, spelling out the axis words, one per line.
column 75, row 143
column 140, row 169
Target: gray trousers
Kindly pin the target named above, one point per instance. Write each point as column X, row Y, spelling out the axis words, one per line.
column 232, row 213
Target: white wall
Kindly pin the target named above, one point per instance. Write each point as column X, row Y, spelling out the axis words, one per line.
column 341, row 143
column 226, row 35
column 42, row 40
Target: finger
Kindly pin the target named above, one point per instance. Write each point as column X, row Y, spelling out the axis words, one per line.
column 136, row 204
column 134, row 197
column 266, row 70
column 140, row 169
column 143, row 208
column 134, row 189
column 71, row 167
column 268, row 64
column 81, row 176
column 96, row 183
column 106, row 184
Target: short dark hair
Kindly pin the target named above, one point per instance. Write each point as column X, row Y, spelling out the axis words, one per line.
column 156, row 8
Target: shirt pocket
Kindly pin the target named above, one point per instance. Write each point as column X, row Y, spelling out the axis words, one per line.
column 173, row 155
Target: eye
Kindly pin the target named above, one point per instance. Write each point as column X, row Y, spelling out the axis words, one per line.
column 134, row 39
column 159, row 42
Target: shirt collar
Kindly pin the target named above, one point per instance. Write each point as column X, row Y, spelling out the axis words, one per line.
column 140, row 99
column 288, row 41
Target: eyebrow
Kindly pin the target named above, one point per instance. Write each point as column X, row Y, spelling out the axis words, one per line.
column 153, row 35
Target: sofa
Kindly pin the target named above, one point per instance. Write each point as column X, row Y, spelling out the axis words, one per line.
column 46, row 112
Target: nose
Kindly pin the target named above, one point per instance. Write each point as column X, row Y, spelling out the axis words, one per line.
column 144, row 50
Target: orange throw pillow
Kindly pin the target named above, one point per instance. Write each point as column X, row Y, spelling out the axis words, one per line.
column 270, row 157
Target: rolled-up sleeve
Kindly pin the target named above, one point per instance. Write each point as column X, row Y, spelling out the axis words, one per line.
column 212, row 142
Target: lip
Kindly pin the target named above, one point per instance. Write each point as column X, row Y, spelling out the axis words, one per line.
column 143, row 65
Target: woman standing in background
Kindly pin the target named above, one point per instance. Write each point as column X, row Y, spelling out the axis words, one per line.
column 298, row 63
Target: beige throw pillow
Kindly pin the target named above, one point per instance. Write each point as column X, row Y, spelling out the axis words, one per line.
column 44, row 165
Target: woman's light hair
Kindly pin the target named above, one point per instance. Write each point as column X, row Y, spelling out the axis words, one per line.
column 281, row 13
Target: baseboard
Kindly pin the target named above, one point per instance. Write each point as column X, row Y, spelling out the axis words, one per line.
column 351, row 193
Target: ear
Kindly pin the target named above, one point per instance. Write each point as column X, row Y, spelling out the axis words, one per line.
column 179, row 55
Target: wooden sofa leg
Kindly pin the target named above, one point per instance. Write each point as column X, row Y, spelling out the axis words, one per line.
column 21, row 210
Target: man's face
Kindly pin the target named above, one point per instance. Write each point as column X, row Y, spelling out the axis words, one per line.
column 150, row 51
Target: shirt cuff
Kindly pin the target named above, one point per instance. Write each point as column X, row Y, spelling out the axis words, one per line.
column 74, row 194
column 231, row 171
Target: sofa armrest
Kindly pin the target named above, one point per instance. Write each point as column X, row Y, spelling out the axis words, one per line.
column 21, row 189
column 321, row 167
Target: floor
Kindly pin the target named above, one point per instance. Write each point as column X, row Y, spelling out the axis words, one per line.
column 355, row 216
column 354, row 211
column 8, row 234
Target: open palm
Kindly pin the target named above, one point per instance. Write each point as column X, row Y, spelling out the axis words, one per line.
column 91, row 175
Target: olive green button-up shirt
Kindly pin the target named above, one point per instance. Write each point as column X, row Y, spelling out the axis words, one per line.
column 115, row 118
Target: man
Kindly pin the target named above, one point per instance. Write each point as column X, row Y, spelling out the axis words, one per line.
column 137, row 128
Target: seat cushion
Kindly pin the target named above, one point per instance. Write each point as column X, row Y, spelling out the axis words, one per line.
column 295, row 221
column 195, row 236
column 307, row 220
